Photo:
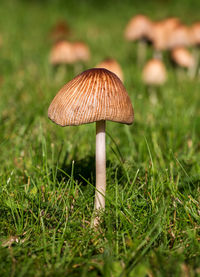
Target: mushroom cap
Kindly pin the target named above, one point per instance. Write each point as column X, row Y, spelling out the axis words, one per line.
column 159, row 36
column 62, row 53
column 171, row 22
column 113, row 66
column 195, row 33
column 182, row 57
column 138, row 27
column 161, row 31
column 81, row 50
column 180, row 36
column 154, row 72
column 60, row 31
column 95, row 94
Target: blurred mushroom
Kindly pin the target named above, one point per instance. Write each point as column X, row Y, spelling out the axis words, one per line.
column 160, row 34
column 154, row 75
column 82, row 54
column 183, row 58
column 195, row 34
column 96, row 95
column 139, row 29
column 81, row 50
column 69, row 53
column 179, row 36
column 60, row 31
column 159, row 39
column 113, row 66
column 62, row 53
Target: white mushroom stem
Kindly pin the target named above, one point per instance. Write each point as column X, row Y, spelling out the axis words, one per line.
column 100, row 165
column 141, row 51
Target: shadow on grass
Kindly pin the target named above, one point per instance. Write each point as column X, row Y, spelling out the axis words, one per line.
column 84, row 170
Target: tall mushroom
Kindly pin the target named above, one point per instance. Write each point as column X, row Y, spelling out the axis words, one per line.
column 95, row 95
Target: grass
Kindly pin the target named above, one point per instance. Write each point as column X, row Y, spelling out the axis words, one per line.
column 47, row 173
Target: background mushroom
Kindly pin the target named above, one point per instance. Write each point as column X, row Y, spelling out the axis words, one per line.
column 69, row 53
column 96, row 95
column 62, row 53
column 179, row 36
column 154, row 75
column 113, row 66
column 60, row 31
column 139, row 29
column 82, row 55
column 183, row 58
column 195, row 36
column 160, row 34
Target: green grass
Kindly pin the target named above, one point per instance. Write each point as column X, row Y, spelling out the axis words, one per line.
column 47, row 173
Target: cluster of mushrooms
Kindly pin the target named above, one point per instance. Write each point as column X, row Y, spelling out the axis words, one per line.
column 169, row 36
column 98, row 94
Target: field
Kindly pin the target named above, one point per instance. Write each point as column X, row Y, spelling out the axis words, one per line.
column 47, row 173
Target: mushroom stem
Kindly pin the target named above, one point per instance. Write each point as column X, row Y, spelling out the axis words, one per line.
column 100, row 165
column 141, row 51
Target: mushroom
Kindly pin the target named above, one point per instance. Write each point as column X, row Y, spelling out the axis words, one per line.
column 62, row 53
column 159, row 38
column 179, row 36
column 113, row 66
column 154, row 75
column 183, row 58
column 95, row 95
column 60, row 31
column 195, row 34
column 160, row 33
column 139, row 29
column 81, row 50
column 69, row 53
column 82, row 54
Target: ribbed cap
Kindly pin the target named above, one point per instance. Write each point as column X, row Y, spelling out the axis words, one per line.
column 95, row 94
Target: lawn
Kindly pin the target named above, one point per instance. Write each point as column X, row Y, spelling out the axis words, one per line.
column 151, row 225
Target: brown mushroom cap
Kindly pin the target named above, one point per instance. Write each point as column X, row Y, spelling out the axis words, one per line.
column 180, row 36
column 138, row 27
column 60, row 31
column 95, row 94
column 159, row 36
column 195, row 33
column 183, row 57
column 113, row 66
column 62, row 53
column 81, row 51
column 154, row 72
column 161, row 31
